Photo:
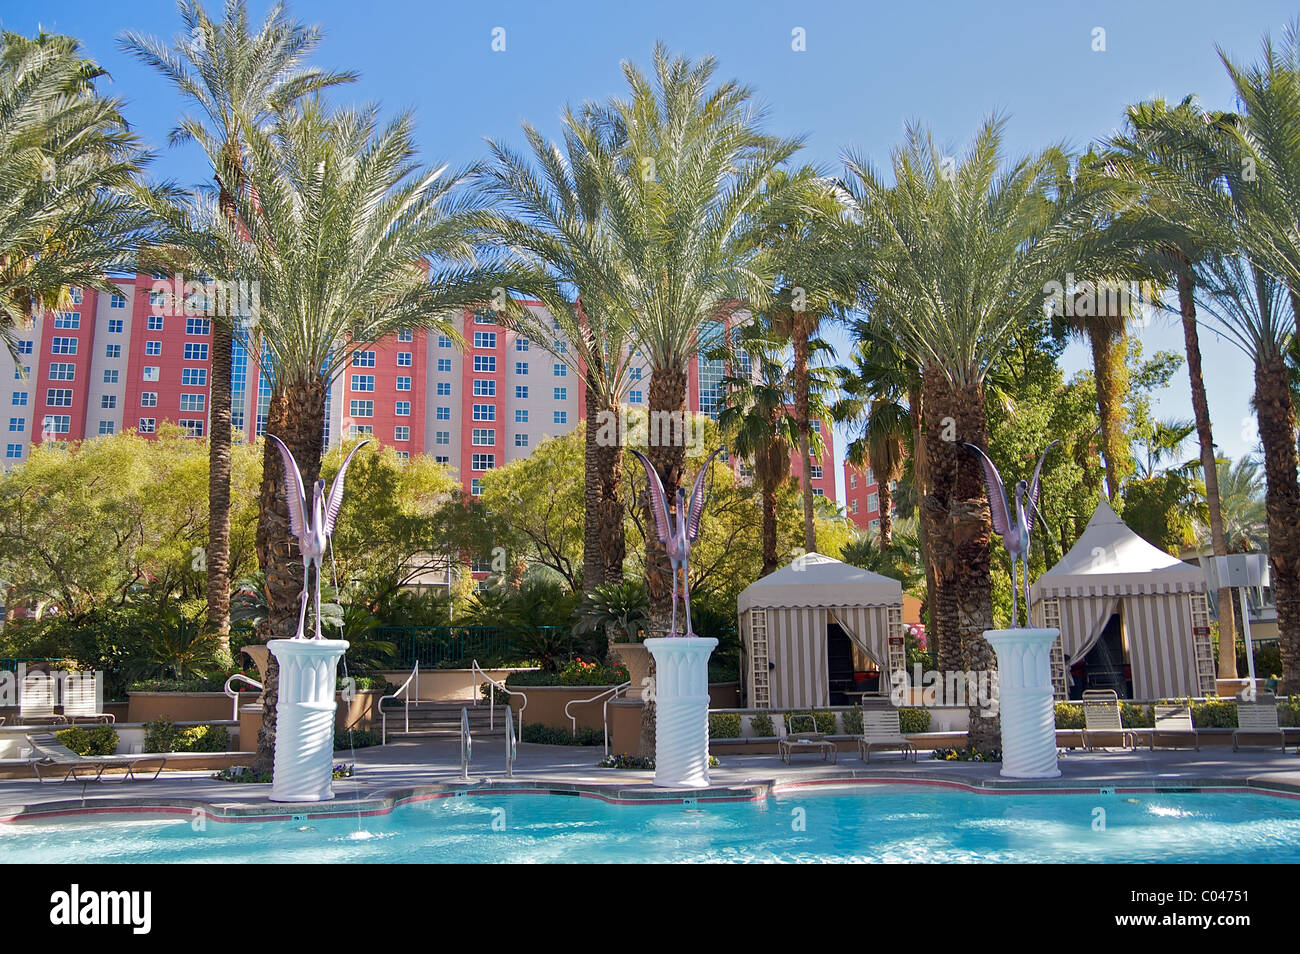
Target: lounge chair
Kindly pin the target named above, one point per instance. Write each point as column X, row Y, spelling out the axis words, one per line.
column 881, row 730
column 811, row 741
column 1258, row 717
column 53, row 754
column 79, row 701
column 36, row 702
column 1175, row 721
column 1101, row 714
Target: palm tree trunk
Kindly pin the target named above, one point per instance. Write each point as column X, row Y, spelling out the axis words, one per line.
column 219, row 450
column 1205, row 436
column 1107, row 361
column 921, row 475
column 297, row 417
column 885, row 497
column 609, row 505
column 768, row 493
column 593, row 567
column 1277, row 424
column 799, row 326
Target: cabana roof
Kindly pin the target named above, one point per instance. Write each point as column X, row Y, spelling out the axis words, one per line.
column 818, row 580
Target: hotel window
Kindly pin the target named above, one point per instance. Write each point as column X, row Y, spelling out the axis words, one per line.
column 147, row 425
column 192, row 427
column 444, row 341
column 358, row 429
column 24, row 347
column 634, row 397
column 521, row 367
column 363, row 359
column 106, row 427
column 63, row 345
column 561, row 394
column 816, row 472
column 521, row 392
column 403, row 383
column 193, row 402
column 108, row 401
column 853, row 481
column 853, row 506
column 149, row 372
column 441, row 459
column 116, row 326
column 870, row 477
column 444, row 389
column 485, row 316
column 148, row 398
column 562, row 347
column 63, row 371
column 816, row 426
column 402, row 432
column 20, row 373
column 196, row 352
column 635, row 374
column 874, row 524
column 521, row 440
column 873, row 502
column 402, row 409
column 194, row 377
column 818, row 492
column 155, row 322
column 67, row 319
column 560, row 370
column 198, row 326
column 476, row 486
column 561, row 417
column 20, row 399
column 153, row 348
column 521, row 415
column 405, row 335
column 362, row 408
column 483, row 437
column 485, row 388
column 485, row 363
column 158, row 299
column 117, row 301
column 442, row 437
column 404, row 455
column 522, row 344
column 58, row 397
column 17, row 424
column 485, row 339
column 443, row 414
column 483, row 461
column 14, row 451
column 111, row 376
column 112, row 351
column 403, row 359
column 74, row 293
column 485, row 412
column 444, row 364
column 363, row 382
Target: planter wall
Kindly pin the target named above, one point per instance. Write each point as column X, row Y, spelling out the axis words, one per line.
column 362, row 712
column 637, row 660
column 546, row 706
column 179, row 706
column 448, row 685
column 625, row 726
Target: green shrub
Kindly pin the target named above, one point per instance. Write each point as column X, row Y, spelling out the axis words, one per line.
column 1069, row 716
column 1214, row 714
column 852, row 722
column 369, row 684
column 724, row 725
column 1136, row 717
column 761, row 725
column 161, row 735
column 94, row 740
column 911, row 721
column 355, row 739
column 1288, row 711
column 578, row 672
column 966, row 755
column 634, row 762
column 825, row 721
column 545, row 735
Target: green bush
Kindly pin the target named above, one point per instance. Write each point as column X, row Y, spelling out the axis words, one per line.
column 579, row 672
column 825, row 721
column 162, row 735
column 95, row 740
column 911, row 721
column 355, row 739
column 545, row 735
column 368, row 684
column 724, row 725
column 1214, row 714
column 852, row 722
column 761, row 725
column 1069, row 716
column 1288, row 711
column 1136, row 717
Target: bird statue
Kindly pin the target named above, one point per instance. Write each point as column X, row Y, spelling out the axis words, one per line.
column 679, row 532
column 1014, row 538
column 312, row 528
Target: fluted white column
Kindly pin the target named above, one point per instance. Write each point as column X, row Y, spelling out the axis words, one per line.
column 681, row 709
column 304, row 718
column 1025, row 701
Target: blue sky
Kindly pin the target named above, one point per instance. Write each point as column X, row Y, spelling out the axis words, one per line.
column 867, row 69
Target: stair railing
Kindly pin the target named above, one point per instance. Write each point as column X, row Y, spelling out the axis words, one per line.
column 608, row 695
column 492, row 696
column 229, row 690
column 404, row 693
column 511, row 743
column 466, row 744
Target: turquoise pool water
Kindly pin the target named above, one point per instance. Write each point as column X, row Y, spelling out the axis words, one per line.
column 876, row 823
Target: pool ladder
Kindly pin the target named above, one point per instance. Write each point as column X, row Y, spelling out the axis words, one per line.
column 467, row 744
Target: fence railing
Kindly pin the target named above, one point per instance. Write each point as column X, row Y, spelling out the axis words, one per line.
column 10, row 663
column 443, row 646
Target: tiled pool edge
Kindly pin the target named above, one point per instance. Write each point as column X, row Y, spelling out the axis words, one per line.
column 386, row 801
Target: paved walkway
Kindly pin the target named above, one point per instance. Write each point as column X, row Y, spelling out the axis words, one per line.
column 387, row 775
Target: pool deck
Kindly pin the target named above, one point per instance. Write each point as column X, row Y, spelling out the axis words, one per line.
column 402, row 772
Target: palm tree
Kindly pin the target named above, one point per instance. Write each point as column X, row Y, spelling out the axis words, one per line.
column 336, row 226
column 1244, row 516
column 962, row 251
column 69, row 189
column 239, row 81
column 556, row 224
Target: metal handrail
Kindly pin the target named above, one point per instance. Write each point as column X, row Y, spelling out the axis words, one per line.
column 466, row 744
column 512, row 747
column 383, row 716
column 492, row 696
column 234, row 696
column 607, row 695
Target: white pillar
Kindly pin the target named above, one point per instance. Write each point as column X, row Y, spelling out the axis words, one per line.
column 304, row 718
column 1025, row 701
column 681, row 709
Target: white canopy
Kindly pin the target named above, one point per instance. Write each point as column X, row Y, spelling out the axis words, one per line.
column 1109, row 559
column 817, row 580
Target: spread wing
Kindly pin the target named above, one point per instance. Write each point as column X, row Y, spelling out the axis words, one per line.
column 334, row 502
column 696, row 505
column 658, row 504
column 1034, row 487
column 293, row 492
column 997, row 493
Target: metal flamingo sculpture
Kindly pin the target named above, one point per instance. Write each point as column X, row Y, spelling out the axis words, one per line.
column 678, row 532
column 1014, row 538
column 312, row 528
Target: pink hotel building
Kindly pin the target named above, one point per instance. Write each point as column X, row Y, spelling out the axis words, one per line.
column 111, row 363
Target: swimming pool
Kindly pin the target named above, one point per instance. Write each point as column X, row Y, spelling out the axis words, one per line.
column 862, row 823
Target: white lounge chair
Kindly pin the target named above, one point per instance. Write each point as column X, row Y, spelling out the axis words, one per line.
column 1101, row 715
column 1258, row 717
column 811, row 741
column 79, row 701
column 1175, row 721
column 881, row 729
column 37, row 699
column 54, row 755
